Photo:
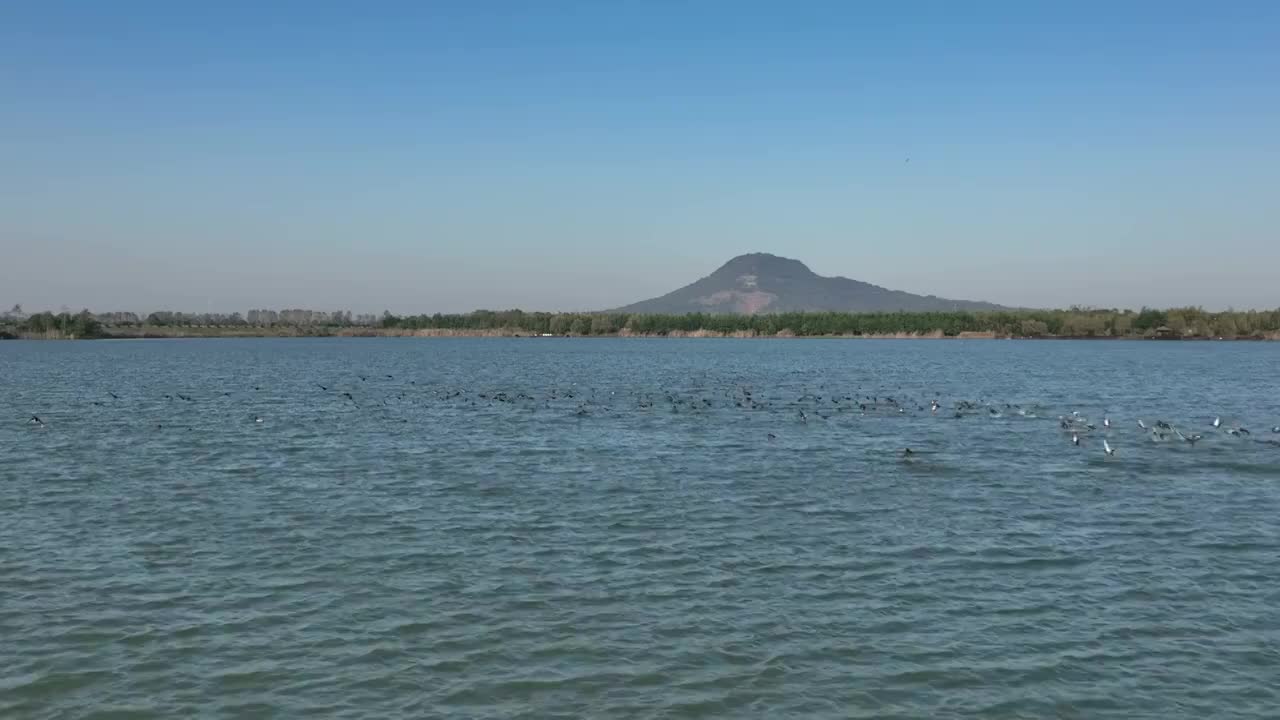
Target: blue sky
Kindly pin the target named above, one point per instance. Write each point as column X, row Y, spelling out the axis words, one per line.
column 442, row 156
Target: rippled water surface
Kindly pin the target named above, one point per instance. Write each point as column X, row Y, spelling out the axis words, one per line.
column 638, row 528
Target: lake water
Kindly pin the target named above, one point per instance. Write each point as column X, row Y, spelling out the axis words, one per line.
column 540, row 528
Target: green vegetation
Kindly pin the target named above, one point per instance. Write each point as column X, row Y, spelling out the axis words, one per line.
column 63, row 325
column 1076, row 322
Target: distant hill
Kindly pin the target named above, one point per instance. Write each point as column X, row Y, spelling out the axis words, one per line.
column 764, row 283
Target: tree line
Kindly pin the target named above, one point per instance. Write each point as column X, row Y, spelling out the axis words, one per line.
column 1074, row 322
column 79, row 325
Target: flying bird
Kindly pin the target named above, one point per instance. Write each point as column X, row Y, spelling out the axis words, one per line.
column 35, row 420
column 1106, row 447
column 1142, row 425
column 1106, row 422
column 1217, row 422
column 1190, row 439
column 1075, row 439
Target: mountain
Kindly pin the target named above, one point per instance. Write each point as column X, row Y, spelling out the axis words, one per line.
column 764, row 283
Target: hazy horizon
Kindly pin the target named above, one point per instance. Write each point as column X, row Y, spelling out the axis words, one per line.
column 570, row 156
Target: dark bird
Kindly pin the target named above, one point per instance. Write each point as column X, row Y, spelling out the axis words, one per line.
column 363, row 378
column 35, row 420
column 390, row 377
column 907, row 453
column 322, row 387
column 347, row 395
column 771, row 436
column 113, row 395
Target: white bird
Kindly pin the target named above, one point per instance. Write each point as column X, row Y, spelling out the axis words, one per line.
column 1142, row 425
column 1106, row 447
column 1276, row 429
column 1075, row 439
column 1106, row 422
column 1217, row 422
column 257, row 418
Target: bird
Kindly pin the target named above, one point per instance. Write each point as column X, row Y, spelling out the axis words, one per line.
column 1191, row 439
column 907, row 453
column 1276, row 429
column 257, row 418
column 322, row 387
column 771, row 436
column 113, row 395
column 1075, row 439
column 1106, row 447
column 1217, row 422
column 1106, row 422
column 35, row 420
column 1142, row 425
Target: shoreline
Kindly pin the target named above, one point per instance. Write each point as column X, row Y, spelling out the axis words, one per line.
column 170, row 333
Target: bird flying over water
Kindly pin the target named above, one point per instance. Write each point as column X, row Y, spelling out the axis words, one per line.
column 1142, row 425
column 1075, row 439
column 1106, row 448
column 113, row 395
column 35, row 420
column 1190, row 439
column 1217, row 422
column 1106, row 422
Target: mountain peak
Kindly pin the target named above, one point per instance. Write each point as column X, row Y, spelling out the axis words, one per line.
column 762, row 282
column 765, row 264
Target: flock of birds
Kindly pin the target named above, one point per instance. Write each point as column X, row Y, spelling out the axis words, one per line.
column 822, row 405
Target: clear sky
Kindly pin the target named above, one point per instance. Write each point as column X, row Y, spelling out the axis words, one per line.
column 444, row 156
